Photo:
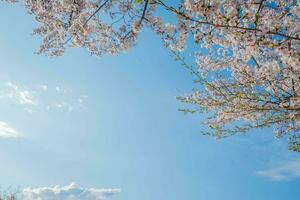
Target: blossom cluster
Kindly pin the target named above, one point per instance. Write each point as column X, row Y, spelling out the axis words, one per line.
column 100, row 26
column 249, row 64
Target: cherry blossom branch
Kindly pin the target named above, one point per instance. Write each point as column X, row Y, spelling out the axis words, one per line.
column 186, row 17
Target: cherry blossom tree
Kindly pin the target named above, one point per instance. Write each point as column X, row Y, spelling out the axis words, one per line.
column 247, row 57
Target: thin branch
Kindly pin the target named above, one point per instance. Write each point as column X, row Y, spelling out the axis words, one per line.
column 95, row 12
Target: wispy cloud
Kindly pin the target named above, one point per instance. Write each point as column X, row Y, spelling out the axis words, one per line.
column 20, row 95
column 285, row 172
column 69, row 192
column 64, row 105
column 41, row 96
column 44, row 87
column 7, row 131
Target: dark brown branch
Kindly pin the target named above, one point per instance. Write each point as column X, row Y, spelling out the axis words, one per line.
column 144, row 11
column 95, row 12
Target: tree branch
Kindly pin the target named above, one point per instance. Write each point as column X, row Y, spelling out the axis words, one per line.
column 170, row 8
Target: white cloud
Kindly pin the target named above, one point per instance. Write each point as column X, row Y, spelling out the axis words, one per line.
column 20, row 95
column 41, row 96
column 7, row 131
column 26, row 97
column 64, row 105
column 57, row 89
column 82, row 98
column 285, row 172
column 69, row 192
column 44, row 87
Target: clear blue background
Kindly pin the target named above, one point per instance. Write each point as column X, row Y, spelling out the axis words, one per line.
column 130, row 134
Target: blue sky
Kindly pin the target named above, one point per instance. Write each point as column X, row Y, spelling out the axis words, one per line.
column 112, row 122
